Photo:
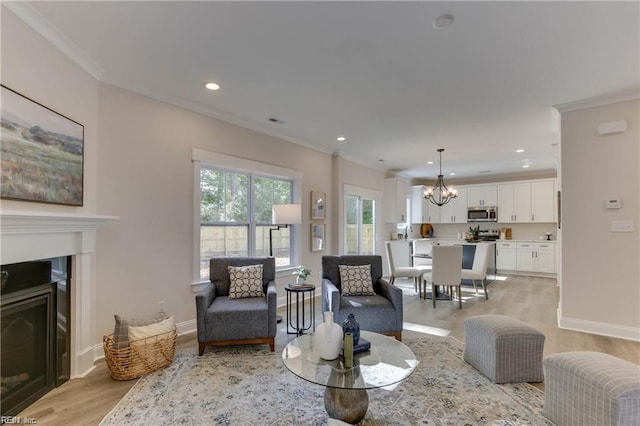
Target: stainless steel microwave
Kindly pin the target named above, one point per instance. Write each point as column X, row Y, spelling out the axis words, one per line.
column 482, row 214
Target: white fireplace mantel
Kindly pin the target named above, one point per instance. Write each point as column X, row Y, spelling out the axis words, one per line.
column 27, row 236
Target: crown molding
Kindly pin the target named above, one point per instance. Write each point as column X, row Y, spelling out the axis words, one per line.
column 213, row 113
column 624, row 95
column 51, row 33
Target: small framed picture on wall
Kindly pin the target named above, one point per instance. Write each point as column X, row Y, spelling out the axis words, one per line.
column 317, row 237
column 318, row 205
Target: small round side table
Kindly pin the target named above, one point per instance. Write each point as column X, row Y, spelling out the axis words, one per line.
column 303, row 321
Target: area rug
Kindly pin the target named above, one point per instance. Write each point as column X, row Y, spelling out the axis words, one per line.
column 251, row 386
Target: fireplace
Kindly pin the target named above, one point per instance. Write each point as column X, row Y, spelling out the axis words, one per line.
column 34, row 236
column 34, row 347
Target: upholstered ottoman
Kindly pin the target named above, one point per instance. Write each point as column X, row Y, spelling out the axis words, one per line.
column 504, row 349
column 591, row 388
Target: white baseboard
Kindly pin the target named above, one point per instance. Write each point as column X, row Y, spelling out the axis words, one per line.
column 600, row 328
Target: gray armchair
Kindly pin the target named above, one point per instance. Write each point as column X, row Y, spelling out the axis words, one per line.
column 381, row 313
column 222, row 321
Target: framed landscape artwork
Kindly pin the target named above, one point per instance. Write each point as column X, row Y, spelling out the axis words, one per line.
column 318, row 202
column 42, row 153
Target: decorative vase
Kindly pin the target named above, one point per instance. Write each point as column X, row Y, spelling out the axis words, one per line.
column 327, row 339
column 351, row 325
column 300, row 280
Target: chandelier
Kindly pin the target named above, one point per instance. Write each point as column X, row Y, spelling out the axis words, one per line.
column 439, row 194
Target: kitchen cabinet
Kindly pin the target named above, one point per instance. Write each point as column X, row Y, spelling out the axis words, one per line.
column 422, row 211
column 395, row 195
column 482, row 196
column 455, row 211
column 506, row 256
column 536, row 257
column 514, row 202
column 543, row 201
column 527, row 202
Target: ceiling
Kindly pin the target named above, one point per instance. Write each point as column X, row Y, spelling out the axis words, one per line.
column 378, row 73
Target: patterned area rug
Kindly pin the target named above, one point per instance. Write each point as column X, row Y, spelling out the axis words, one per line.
column 251, row 386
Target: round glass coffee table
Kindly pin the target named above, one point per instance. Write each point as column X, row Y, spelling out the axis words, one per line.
column 345, row 397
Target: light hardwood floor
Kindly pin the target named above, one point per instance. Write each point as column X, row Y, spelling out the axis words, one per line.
column 87, row 400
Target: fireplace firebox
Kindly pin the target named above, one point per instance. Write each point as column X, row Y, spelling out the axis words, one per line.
column 35, row 316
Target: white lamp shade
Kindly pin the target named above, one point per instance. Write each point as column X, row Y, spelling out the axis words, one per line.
column 286, row 214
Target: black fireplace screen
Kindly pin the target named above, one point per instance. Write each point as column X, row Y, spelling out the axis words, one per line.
column 34, row 342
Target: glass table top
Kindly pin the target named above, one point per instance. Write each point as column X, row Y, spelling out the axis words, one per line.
column 387, row 362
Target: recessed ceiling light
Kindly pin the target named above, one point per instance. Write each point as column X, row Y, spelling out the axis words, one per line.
column 212, row 86
column 452, row 174
column 443, row 21
column 429, row 162
column 526, row 166
column 381, row 160
column 520, row 150
column 341, row 139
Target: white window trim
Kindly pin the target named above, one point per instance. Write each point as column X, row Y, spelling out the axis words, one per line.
column 214, row 159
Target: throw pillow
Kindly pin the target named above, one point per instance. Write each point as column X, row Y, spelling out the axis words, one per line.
column 144, row 331
column 121, row 330
column 356, row 280
column 245, row 281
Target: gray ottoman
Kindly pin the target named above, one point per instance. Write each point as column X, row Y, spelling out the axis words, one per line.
column 504, row 349
column 591, row 388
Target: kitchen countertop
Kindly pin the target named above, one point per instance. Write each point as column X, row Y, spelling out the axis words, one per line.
column 513, row 240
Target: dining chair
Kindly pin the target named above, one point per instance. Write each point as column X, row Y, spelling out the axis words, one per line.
column 478, row 271
column 399, row 262
column 446, row 270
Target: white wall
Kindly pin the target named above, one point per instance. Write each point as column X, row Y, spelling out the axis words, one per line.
column 33, row 67
column 138, row 167
column 146, row 178
column 600, row 289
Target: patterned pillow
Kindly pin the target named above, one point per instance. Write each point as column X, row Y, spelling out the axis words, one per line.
column 246, row 281
column 356, row 280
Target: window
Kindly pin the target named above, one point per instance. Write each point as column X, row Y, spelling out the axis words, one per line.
column 235, row 210
column 361, row 212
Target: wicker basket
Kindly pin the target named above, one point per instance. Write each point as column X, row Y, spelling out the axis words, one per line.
column 136, row 358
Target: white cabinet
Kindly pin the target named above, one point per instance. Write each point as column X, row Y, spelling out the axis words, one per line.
column 422, row 211
column 514, row 202
column 455, row 211
column 482, row 196
column 543, row 201
column 396, row 192
column 536, row 257
column 531, row 201
column 506, row 256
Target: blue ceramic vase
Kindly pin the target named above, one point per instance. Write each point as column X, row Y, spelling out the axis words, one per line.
column 350, row 325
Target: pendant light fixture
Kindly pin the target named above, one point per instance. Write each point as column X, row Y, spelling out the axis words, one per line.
column 439, row 194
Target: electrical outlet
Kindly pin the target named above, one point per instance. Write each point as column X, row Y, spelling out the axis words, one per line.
column 161, row 307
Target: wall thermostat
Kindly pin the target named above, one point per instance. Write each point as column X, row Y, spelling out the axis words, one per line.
column 615, row 203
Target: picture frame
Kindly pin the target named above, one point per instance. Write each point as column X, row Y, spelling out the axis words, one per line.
column 42, row 152
column 317, row 237
column 318, row 205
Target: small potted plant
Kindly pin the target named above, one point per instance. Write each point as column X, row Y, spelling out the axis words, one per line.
column 301, row 273
column 474, row 232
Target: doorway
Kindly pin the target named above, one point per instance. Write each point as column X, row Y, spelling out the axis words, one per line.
column 361, row 208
